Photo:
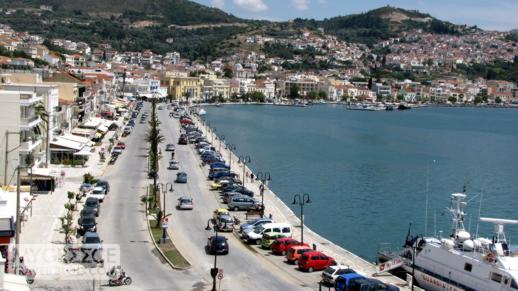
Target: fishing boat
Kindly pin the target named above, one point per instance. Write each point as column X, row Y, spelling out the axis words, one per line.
column 459, row 261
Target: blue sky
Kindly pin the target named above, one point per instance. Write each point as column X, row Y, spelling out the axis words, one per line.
column 487, row 14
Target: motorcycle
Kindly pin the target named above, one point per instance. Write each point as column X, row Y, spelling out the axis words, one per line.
column 117, row 277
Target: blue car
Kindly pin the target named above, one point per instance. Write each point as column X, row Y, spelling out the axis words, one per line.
column 181, row 177
column 368, row 284
column 343, row 282
column 219, row 165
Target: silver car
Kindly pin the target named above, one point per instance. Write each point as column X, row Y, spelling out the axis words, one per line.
column 185, row 203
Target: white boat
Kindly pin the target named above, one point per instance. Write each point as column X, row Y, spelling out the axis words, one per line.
column 460, row 262
column 202, row 112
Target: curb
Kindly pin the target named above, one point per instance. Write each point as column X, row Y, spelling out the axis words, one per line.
column 158, row 248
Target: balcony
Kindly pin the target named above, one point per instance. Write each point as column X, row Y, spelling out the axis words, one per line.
column 29, row 99
column 29, row 145
column 29, row 122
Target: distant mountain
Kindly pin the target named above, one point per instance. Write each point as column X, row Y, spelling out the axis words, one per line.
column 379, row 24
column 194, row 30
column 180, row 12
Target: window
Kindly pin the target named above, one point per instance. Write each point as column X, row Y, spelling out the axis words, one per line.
column 286, row 230
column 496, row 277
column 314, row 258
column 468, row 267
column 277, row 230
column 514, row 285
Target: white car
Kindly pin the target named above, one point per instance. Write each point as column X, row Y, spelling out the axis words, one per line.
column 332, row 272
column 185, row 203
column 99, row 193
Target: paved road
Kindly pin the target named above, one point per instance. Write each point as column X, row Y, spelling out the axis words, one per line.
column 244, row 268
column 123, row 222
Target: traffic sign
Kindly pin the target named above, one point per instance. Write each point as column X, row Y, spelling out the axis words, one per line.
column 165, row 222
column 220, row 274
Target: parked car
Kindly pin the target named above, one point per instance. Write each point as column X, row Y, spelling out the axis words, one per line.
column 330, row 274
column 225, row 223
column 122, row 145
column 169, row 147
column 218, row 212
column 368, row 284
column 113, row 159
column 126, row 131
column 85, row 187
column 295, row 252
column 314, row 260
column 217, row 245
column 185, row 203
column 88, row 211
column 280, row 246
column 94, row 203
column 251, row 224
column 242, row 202
column 99, row 193
column 270, row 237
column 227, row 196
column 86, row 223
column 91, row 240
column 105, row 184
column 181, row 177
column 343, row 282
column 117, row 150
column 270, row 230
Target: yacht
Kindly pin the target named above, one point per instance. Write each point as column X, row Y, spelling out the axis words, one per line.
column 460, row 262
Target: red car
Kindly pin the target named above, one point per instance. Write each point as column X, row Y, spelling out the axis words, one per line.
column 121, row 145
column 281, row 246
column 314, row 260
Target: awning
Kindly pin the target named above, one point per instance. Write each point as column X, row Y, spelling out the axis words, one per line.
column 89, row 133
column 77, row 138
column 85, row 151
column 59, row 144
column 103, row 128
column 93, row 123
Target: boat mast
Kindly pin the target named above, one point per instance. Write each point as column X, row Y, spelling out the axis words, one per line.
column 457, row 211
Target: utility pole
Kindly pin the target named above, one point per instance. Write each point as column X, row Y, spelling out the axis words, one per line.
column 7, row 151
column 18, row 224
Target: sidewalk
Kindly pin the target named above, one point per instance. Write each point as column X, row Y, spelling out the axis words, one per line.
column 43, row 225
column 282, row 213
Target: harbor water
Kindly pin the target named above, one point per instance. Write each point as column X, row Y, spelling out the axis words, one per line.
column 369, row 173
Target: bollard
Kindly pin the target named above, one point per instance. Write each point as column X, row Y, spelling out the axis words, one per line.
column 314, row 247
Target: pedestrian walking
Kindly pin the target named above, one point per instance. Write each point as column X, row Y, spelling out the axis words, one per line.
column 252, row 177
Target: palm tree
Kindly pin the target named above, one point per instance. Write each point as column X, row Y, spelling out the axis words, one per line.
column 43, row 114
column 154, row 138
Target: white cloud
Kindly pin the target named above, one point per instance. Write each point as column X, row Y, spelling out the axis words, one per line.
column 217, row 3
column 300, row 4
column 251, row 5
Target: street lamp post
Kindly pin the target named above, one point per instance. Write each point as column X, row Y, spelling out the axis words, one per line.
column 213, row 271
column 164, row 215
column 245, row 160
column 221, row 138
column 230, row 147
column 213, row 130
column 301, row 200
column 264, row 178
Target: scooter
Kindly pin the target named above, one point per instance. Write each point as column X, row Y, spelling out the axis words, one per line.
column 117, row 277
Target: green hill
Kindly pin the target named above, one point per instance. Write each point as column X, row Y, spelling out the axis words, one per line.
column 380, row 24
column 180, row 12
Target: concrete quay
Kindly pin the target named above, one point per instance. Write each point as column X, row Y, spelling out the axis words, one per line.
column 282, row 213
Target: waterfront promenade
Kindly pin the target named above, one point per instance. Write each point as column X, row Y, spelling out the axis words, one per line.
column 282, row 213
